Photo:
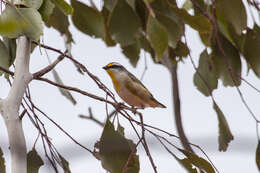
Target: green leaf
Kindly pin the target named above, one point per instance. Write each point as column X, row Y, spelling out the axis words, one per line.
column 33, row 20
column 64, row 7
column 252, row 49
column 225, row 135
column 11, row 23
column 60, row 22
column 4, row 56
column 236, row 17
column 145, row 45
column 174, row 30
column 187, row 5
column 120, row 129
column 32, row 3
column 158, row 36
column 114, row 150
column 124, row 24
column 11, row 48
column 108, row 40
column 220, row 61
column 18, row 21
column 46, row 9
column 257, row 156
column 2, row 162
column 93, row 24
column 64, row 164
column 132, row 52
column 109, row 4
column 197, row 22
column 64, row 92
column 187, row 165
column 197, row 161
column 207, row 72
column 34, row 161
column 181, row 50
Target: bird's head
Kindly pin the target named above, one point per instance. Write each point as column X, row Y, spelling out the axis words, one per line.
column 114, row 68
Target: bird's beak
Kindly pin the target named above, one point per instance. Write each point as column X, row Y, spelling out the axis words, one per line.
column 105, row 67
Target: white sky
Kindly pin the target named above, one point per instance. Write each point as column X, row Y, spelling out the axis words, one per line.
column 199, row 118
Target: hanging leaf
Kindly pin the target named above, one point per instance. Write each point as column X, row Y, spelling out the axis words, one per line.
column 34, row 161
column 187, row 165
column 64, row 92
column 115, row 149
column 36, row 4
column 158, row 37
column 132, row 52
column 64, row 164
column 93, row 24
column 64, row 7
column 60, row 22
column 108, row 40
column 11, row 48
column 46, row 9
column 236, row 17
column 2, row 162
column 4, row 57
column 251, row 49
column 174, row 30
column 197, row 22
column 257, row 156
column 32, row 18
column 198, row 161
column 220, row 57
column 145, row 45
column 225, row 135
column 206, row 70
column 124, row 24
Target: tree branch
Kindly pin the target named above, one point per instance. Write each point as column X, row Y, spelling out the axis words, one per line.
column 48, row 68
column 10, row 106
column 176, row 102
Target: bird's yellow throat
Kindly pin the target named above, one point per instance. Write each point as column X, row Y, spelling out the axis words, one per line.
column 112, row 75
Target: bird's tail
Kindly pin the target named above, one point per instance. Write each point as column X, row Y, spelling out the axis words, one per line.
column 155, row 103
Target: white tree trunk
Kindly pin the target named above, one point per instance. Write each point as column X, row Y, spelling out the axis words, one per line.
column 9, row 107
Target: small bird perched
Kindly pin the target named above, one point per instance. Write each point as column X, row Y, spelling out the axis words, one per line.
column 129, row 88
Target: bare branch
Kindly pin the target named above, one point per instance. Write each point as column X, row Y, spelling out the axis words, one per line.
column 48, row 68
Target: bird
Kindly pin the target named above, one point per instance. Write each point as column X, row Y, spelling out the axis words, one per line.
column 129, row 88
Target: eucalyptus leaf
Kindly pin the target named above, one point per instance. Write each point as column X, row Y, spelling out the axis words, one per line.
column 33, row 20
column 46, row 9
column 236, row 17
column 64, row 7
column 65, row 164
column 251, row 50
column 123, row 24
column 197, row 161
column 132, row 52
column 205, row 78
column 225, row 135
column 36, row 4
column 60, row 22
column 34, row 161
column 257, row 156
column 4, row 56
column 158, row 36
column 2, row 162
column 115, row 149
column 93, row 24
column 225, row 56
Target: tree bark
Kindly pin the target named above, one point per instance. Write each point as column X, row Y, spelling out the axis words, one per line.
column 9, row 107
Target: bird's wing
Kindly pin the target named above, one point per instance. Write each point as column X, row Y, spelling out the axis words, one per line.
column 137, row 88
